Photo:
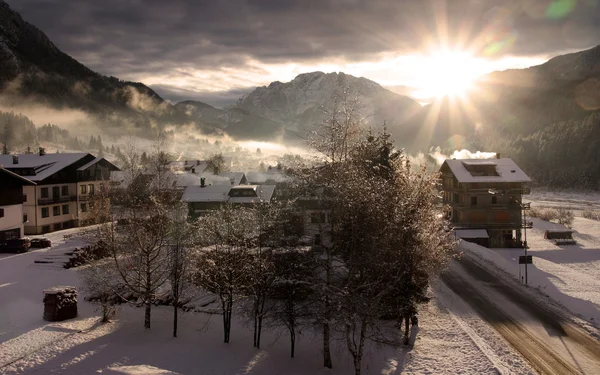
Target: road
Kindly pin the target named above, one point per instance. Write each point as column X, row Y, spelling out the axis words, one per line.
column 550, row 343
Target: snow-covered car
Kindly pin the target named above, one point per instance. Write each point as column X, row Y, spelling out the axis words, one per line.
column 40, row 243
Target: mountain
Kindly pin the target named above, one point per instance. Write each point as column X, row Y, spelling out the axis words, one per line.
column 300, row 105
column 546, row 117
column 32, row 68
column 236, row 122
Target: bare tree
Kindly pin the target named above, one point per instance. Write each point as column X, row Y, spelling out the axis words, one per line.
column 290, row 293
column 183, row 237
column 224, row 269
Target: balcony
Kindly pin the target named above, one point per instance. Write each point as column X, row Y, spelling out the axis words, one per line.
column 54, row 200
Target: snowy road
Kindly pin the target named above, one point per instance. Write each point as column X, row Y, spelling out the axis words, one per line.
column 549, row 342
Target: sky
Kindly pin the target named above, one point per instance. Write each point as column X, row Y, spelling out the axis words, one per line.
column 218, row 50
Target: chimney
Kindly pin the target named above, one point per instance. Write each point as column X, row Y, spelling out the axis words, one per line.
column 497, row 155
column 15, row 159
column 202, row 182
column 42, row 151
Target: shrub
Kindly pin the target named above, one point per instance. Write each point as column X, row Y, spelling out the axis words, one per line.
column 565, row 216
column 591, row 214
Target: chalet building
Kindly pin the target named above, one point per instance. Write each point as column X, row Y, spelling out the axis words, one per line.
column 205, row 198
column 12, row 216
column 485, row 200
column 64, row 185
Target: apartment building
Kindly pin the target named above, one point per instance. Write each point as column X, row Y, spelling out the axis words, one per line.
column 64, row 185
column 485, row 200
column 12, row 216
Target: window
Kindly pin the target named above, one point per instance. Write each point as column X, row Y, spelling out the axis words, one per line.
column 83, row 189
column 1, row 212
column 44, row 192
column 91, row 188
column 65, row 209
column 83, row 207
column 65, row 190
column 473, row 201
column 56, row 211
column 102, row 187
column 45, row 212
column 455, row 197
column 55, row 191
column 494, row 200
column 46, row 229
column 24, row 197
column 24, row 218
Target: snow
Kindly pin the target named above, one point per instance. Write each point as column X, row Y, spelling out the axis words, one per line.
column 44, row 165
column 567, row 275
column 446, row 343
column 507, row 170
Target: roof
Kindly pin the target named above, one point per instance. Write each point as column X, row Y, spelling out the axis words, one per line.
column 506, row 168
column 235, row 177
column 23, row 180
column 471, row 233
column 220, row 193
column 97, row 160
column 210, row 193
column 44, row 165
column 262, row 177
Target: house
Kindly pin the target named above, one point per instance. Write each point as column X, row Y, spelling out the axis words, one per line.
column 484, row 197
column 12, row 217
column 65, row 183
column 204, row 198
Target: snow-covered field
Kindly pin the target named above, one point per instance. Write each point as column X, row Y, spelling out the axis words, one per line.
column 565, row 275
column 447, row 342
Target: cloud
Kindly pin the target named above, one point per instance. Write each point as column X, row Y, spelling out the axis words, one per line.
column 133, row 37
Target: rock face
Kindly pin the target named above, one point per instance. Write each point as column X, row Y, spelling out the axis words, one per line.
column 300, row 105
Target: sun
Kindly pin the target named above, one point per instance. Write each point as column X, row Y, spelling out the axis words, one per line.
column 449, row 73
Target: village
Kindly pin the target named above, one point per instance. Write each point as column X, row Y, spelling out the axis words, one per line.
column 67, row 203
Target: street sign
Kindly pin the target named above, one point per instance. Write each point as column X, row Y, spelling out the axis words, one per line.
column 525, row 259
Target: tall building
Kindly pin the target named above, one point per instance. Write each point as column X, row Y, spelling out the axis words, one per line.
column 485, row 200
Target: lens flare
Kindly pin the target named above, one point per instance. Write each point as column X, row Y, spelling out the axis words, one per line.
column 560, row 8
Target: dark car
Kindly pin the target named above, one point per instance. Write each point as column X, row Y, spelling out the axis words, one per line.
column 19, row 245
column 40, row 243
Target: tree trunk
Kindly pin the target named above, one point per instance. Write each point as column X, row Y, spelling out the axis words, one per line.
column 227, row 318
column 175, row 319
column 293, row 339
column 326, row 350
column 260, row 320
column 255, row 344
column 406, row 328
column 147, row 314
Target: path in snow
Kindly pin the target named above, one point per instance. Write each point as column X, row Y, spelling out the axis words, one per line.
column 549, row 342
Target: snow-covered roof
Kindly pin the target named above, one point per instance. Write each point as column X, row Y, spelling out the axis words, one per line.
column 221, row 193
column 506, row 170
column 471, row 233
column 187, row 179
column 97, row 160
column 23, row 180
column 234, row 177
column 44, row 165
column 273, row 175
column 210, row 193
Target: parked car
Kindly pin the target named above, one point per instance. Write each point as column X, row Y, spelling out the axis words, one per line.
column 19, row 245
column 40, row 243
